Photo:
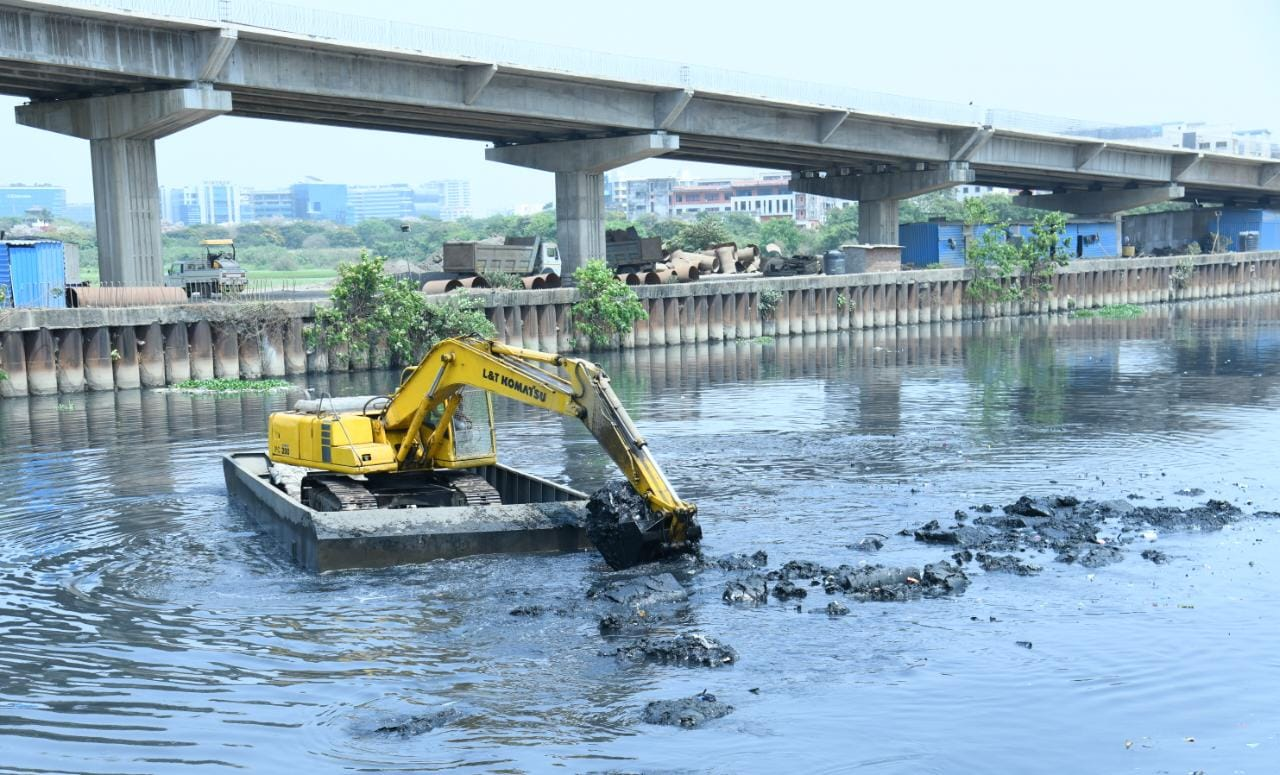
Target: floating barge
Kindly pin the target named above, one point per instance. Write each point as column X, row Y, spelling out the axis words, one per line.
column 535, row 516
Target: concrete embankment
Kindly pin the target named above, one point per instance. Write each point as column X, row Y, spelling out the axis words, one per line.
column 72, row 350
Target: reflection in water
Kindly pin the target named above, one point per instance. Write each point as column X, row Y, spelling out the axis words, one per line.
column 145, row 625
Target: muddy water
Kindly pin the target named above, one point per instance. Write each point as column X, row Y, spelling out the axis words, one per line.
column 145, row 626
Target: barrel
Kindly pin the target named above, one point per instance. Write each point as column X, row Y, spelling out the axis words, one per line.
column 833, row 262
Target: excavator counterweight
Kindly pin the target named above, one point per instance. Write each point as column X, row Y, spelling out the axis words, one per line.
column 411, row 448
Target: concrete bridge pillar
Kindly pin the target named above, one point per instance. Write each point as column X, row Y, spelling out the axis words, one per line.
column 579, row 166
column 122, row 130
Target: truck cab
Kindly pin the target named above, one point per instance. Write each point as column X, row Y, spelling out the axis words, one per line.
column 548, row 258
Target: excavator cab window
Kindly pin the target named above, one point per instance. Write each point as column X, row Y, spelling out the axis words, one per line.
column 473, row 427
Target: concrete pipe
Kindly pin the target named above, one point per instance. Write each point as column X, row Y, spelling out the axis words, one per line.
column 665, row 276
column 751, row 264
column 747, row 254
column 551, row 280
column 534, row 282
column 706, row 261
column 651, row 278
column 441, row 286
column 474, row 282
column 629, row 279
column 728, row 264
column 686, row 272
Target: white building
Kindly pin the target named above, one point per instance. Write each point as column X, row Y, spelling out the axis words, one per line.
column 211, row 202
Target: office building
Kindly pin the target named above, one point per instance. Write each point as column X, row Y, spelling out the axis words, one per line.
column 17, row 200
column 267, row 204
column 320, row 202
column 368, row 202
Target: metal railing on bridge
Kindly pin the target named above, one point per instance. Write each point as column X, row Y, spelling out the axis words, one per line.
column 456, row 44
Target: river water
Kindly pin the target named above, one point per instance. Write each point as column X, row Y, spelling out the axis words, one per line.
column 147, row 626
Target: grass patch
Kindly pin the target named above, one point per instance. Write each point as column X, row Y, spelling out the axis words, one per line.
column 1114, row 311
column 763, row 340
column 231, row 385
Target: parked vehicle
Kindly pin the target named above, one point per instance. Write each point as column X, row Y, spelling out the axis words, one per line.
column 520, row 256
column 217, row 272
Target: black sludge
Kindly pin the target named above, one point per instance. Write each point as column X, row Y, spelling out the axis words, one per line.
column 626, row 531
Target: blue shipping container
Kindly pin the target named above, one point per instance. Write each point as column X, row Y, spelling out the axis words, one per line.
column 36, row 273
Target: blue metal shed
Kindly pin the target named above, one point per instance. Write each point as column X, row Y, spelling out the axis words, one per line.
column 1092, row 239
column 934, row 242
column 1237, row 220
column 34, row 273
column 6, row 287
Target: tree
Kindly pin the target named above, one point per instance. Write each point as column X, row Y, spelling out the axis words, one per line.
column 707, row 230
column 606, row 306
column 839, row 228
column 369, row 305
column 995, row 254
column 373, row 232
column 938, row 204
column 783, row 232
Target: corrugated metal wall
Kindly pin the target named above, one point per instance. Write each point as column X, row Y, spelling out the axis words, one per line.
column 1093, row 239
column 919, row 243
column 6, row 298
column 37, row 273
column 951, row 244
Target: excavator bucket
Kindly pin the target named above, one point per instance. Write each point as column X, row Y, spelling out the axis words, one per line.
column 627, row 532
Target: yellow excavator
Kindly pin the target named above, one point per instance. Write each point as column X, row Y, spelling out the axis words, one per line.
column 414, row 447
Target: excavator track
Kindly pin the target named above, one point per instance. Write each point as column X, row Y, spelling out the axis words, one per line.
column 476, row 489
column 337, row 493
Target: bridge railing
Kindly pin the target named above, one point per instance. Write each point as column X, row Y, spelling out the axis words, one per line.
column 455, row 44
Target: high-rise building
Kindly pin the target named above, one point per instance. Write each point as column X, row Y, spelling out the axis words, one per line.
column 447, row 200
column 368, row 202
column 320, row 202
column 17, row 199
column 219, row 202
column 265, row 205
column 180, row 206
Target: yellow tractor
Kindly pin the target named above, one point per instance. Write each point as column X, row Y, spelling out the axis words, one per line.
column 417, row 447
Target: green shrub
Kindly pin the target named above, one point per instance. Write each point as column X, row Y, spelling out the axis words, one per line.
column 369, row 305
column 606, row 306
column 769, row 299
column 503, row 281
column 453, row 315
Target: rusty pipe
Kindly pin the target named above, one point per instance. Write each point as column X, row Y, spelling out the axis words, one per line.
column 441, row 286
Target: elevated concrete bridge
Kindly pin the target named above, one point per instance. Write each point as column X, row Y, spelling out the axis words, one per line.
column 122, row 79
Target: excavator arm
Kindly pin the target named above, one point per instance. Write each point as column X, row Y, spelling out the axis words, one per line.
column 577, row 388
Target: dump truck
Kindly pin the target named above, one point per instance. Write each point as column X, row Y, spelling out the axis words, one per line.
column 626, row 251
column 429, row 449
column 216, row 272
column 520, row 256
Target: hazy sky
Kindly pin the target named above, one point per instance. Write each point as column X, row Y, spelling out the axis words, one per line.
column 1119, row 62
